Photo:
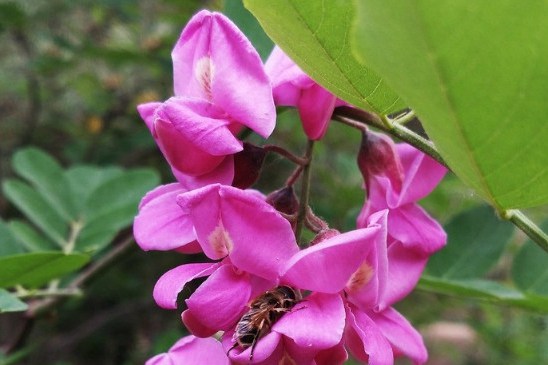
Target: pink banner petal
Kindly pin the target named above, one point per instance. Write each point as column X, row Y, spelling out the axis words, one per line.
column 170, row 284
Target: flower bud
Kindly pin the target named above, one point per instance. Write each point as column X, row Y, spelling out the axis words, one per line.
column 247, row 165
column 284, row 200
column 377, row 156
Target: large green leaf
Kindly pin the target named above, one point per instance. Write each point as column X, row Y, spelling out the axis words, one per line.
column 37, row 209
column 316, row 36
column 112, row 205
column 48, row 178
column 35, row 269
column 10, row 303
column 476, row 239
column 530, row 268
column 83, row 180
column 475, row 72
column 122, row 191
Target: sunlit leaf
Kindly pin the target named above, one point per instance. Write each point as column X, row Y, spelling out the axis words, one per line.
column 475, row 72
column 315, row 35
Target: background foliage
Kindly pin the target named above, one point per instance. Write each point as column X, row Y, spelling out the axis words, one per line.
column 75, row 159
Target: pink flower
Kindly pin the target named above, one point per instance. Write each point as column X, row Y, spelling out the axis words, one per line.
column 252, row 242
column 396, row 177
column 292, row 87
column 161, row 224
column 220, row 86
column 358, row 271
column 191, row 350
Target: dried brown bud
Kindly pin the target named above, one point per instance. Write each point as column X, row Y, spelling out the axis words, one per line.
column 378, row 156
column 247, row 165
column 284, row 200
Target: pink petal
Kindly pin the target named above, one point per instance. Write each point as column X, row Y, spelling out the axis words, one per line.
column 195, row 325
column 411, row 225
column 172, row 282
column 336, row 355
column 287, row 78
column 147, row 113
column 315, row 108
column 161, row 224
column 405, row 339
column 317, row 323
column 422, row 173
column 221, row 300
column 222, row 174
column 214, row 60
column 404, row 271
column 315, row 269
column 268, row 350
column 365, row 340
column 180, row 153
column 367, row 286
column 191, row 350
column 263, row 240
column 202, row 124
column 230, row 221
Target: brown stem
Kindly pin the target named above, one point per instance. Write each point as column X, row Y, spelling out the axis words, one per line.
column 285, row 153
column 305, row 191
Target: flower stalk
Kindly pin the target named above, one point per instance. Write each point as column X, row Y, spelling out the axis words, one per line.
column 305, row 190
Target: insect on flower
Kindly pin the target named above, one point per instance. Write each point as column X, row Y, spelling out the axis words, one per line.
column 263, row 312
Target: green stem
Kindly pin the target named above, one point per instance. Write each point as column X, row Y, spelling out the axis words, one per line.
column 305, row 191
column 359, row 119
column 521, row 221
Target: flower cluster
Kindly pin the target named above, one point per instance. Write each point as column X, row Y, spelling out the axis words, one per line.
column 265, row 299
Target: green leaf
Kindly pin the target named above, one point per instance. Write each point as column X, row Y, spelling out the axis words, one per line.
column 112, row 206
column 37, row 209
column 10, row 303
column 83, row 180
column 8, row 243
column 36, row 269
column 48, row 178
column 483, row 290
column 119, row 192
column 530, row 268
column 475, row 72
column 235, row 10
column 29, row 238
column 476, row 239
column 316, row 37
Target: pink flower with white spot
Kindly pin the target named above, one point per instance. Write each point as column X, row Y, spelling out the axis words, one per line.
column 396, row 177
column 292, row 87
column 220, row 86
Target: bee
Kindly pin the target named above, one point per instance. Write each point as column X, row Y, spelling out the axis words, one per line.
column 263, row 312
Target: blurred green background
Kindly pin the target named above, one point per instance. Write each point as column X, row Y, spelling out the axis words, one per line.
column 72, row 73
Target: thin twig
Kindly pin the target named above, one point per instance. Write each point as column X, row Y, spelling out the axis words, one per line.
column 285, row 153
column 305, row 191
